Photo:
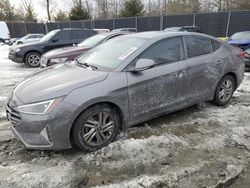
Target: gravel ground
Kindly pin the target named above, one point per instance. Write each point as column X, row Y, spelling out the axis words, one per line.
column 201, row 146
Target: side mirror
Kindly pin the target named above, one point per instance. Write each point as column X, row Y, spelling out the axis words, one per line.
column 144, row 64
column 54, row 40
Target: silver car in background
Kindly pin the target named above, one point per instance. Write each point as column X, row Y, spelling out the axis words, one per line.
column 123, row 82
column 29, row 38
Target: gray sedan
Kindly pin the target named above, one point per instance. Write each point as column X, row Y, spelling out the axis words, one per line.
column 123, row 82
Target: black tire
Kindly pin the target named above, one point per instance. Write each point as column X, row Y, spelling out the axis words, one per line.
column 19, row 43
column 82, row 133
column 227, row 85
column 2, row 41
column 32, row 59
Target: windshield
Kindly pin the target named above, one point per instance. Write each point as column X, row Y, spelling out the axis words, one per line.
column 48, row 36
column 241, row 35
column 92, row 41
column 111, row 54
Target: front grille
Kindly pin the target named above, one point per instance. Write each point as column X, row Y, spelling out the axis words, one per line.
column 12, row 115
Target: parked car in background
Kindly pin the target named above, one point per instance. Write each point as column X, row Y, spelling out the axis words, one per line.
column 240, row 39
column 122, row 82
column 102, row 30
column 223, row 38
column 184, row 28
column 247, row 59
column 61, row 55
column 29, row 38
column 31, row 53
column 4, row 33
column 132, row 30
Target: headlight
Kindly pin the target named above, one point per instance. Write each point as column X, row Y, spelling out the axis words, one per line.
column 16, row 50
column 40, row 107
column 59, row 60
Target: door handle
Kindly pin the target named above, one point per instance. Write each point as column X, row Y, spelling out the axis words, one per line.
column 179, row 74
column 218, row 62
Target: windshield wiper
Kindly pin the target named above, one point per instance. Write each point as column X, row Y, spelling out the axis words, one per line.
column 86, row 64
column 92, row 66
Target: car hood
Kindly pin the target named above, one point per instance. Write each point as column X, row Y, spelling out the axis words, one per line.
column 241, row 41
column 62, row 52
column 56, row 81
column 30, row 45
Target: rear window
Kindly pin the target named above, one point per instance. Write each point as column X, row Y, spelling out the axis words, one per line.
column 197, row 46
column 82, row 34
column 62, row 35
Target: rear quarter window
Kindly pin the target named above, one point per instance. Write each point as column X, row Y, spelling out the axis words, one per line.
column 216, row 45
column 197, row 46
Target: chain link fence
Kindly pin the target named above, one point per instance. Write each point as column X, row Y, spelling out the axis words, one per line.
column 216, row 24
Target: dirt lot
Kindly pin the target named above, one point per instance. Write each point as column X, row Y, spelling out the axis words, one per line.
column 201, row 146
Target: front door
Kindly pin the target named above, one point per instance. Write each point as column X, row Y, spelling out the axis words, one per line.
column 163, row 87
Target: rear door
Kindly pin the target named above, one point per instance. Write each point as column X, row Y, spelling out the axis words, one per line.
column 204, row 64
column 61, row 39
column 163, row 87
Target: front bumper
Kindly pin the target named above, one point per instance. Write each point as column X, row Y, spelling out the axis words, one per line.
column 44, row 62
column 16, row 57
column 49, row 132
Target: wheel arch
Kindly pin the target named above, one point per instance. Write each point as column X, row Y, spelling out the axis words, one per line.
column 24, row 57
column 234, row 77
column 112, row 104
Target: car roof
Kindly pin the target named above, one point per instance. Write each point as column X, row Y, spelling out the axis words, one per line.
column 114, row 33
column 162, row 34
column 73, row 29
column 156, row 34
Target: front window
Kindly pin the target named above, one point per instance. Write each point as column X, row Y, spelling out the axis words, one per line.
column 112, row 53
column 92, row 41
column 241, row 35
column 47, row 37
column 165, row 51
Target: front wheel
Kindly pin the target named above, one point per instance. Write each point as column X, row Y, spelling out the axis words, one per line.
column 32, row 59
column 224, row 90
column 96, row 127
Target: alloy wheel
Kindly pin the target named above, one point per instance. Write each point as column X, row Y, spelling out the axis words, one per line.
column 226, row 90
column 34, row 60
column 98, row 128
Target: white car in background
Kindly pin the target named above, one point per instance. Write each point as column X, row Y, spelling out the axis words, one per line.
column 4, row 33
column 29, row 38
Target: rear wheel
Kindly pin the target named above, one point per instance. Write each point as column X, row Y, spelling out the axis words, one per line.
column 32, row 59
column 96, row 127
column 224, row 90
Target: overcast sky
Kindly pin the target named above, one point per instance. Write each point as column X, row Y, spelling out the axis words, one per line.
column 41, row 10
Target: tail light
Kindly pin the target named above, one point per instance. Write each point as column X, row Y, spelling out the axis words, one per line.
column 241, row 54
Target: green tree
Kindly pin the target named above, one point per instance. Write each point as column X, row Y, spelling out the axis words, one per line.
column 79, row 12
column 7, row 11
column 132, row 8
column 29, row 14
column 60, row 16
